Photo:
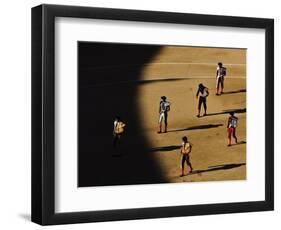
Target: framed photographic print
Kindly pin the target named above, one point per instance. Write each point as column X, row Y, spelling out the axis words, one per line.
column 141, row 114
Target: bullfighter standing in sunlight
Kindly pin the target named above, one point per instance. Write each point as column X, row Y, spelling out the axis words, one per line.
column 164, row 108
column 185, row 153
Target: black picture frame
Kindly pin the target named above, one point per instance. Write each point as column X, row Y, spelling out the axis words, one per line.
column 43, row 110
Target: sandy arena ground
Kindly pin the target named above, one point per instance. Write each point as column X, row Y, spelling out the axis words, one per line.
column 210, row 157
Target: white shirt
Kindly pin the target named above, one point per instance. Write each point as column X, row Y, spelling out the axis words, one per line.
column 204, row 94
column 221, row 71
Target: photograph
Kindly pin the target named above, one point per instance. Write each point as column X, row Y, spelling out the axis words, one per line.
column 140, row 114
column 153, row 113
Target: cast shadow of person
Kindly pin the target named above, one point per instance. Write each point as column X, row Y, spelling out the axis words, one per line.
column 208, row 126
column 218, row 168
column 235, row 91
column 228, row 111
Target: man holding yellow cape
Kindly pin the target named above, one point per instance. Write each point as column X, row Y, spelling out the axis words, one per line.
column 118, row 130
column 185, row 153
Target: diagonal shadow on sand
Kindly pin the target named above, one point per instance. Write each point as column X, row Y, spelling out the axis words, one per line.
column 217, row 168
column 228, row 111
column 165, row 148
column 235, row 91
column 209, row 126
column 240, row 143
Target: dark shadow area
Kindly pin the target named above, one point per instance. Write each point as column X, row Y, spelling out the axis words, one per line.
column 165, row 148
column 97, row 107
column 228, row 111
column 218, row 167
column 209, row 126
column 235, row 91
column 25, row 216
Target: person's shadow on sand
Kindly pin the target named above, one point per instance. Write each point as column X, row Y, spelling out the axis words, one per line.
column 217, row 168
column 228, row 111
column 165, row 148
column 235, row 91
column 208, row 126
